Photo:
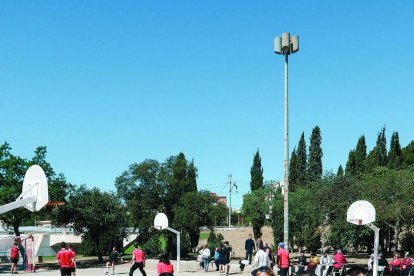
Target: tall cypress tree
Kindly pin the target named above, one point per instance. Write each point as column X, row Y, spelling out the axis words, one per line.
column 192, row 177
column 301, row 161
column 315, row 155
column 360, row 155
column 256, row 173
column 340, row 171
column 394, row 156
column 293, row 175
column 378, row 155
column 350, row 168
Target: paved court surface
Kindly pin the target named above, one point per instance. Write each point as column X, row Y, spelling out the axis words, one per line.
column 187, row 268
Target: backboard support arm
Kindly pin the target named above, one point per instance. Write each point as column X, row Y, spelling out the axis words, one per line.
column 17, row 204
column 178, row 244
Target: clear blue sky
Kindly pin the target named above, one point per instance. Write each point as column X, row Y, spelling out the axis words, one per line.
column 104, row 84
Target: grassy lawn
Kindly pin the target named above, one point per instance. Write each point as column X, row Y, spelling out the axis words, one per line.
column 203, row 235
column 163, row 241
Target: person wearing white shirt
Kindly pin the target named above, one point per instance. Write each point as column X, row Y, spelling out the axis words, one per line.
column 324, row 264
column 261, row 260
column 206, row 256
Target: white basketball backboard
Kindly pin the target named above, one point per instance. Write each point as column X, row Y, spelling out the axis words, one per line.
column 35, row 185
column 361, row 212
column 160, row 221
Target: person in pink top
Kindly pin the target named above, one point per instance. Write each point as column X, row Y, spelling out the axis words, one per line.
column 138, row 261
column 339, row 260
column 165, row 267
column 395, row 265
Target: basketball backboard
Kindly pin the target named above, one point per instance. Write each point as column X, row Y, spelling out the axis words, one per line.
column 35, row 185
column 160, row 221
column 361, row 212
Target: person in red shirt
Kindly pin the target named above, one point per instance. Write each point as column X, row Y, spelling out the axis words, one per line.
column 64, row 259
column 165, row 267
column 14, row 258
column 283, row 261
column 395, row 265
column 339, row 260
column 73, row 264
column 138, row 261
column 405, row 265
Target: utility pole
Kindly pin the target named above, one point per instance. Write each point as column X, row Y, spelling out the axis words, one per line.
column 231, row 186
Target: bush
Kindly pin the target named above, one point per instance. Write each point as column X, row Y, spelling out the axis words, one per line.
column 152, row 247
column 214, row 240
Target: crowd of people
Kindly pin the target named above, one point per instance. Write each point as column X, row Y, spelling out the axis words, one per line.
column 221, row 258
column 257, row 254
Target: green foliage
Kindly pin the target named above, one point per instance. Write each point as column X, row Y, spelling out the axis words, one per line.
column 152, row 247
column 214, row 240
column 378, row 156
column 351, row 169
column 408, row 154
column 256, row 173
column 302, row 163
column 12, row 171
column 255, row 208
column 170, row 187
column 394, row 155
column 293, row 174
column 98, row 217
column 407, row 242
column 356, row 159
column 315, row 155
column 340, row 172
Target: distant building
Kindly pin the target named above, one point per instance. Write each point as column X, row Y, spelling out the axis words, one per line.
column 220, row 199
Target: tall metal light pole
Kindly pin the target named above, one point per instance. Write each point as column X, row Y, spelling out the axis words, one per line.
column 286, row 45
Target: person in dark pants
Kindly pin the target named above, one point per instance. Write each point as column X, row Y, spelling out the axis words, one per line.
column 138, row 261
column 249, row 247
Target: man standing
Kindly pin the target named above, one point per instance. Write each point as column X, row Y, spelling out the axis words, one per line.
column 73, row 264
column 227, row 254
column 64, row 259
column 283, row 261
column 249, row 247
column 14, row 258
column 138, row 261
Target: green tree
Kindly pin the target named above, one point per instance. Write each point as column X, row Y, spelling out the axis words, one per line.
column 98, row 217
column 340, row 172
column 256, row 206
column 12, row 171
column 192, row 176
column 394, row 155
column 360, row 155
column 378, row 156
column 293, row 175
column 301, row 161
column 256, row 173
column 350, row 168
column 407, row 154
column 315, row 155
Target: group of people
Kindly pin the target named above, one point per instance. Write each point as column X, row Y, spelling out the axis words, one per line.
column 66, row 259
column 221, row 257
column 321, row 266
column 264, row 260
column 397, row 267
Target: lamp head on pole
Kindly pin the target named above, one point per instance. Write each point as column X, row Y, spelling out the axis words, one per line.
column 286, row 44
